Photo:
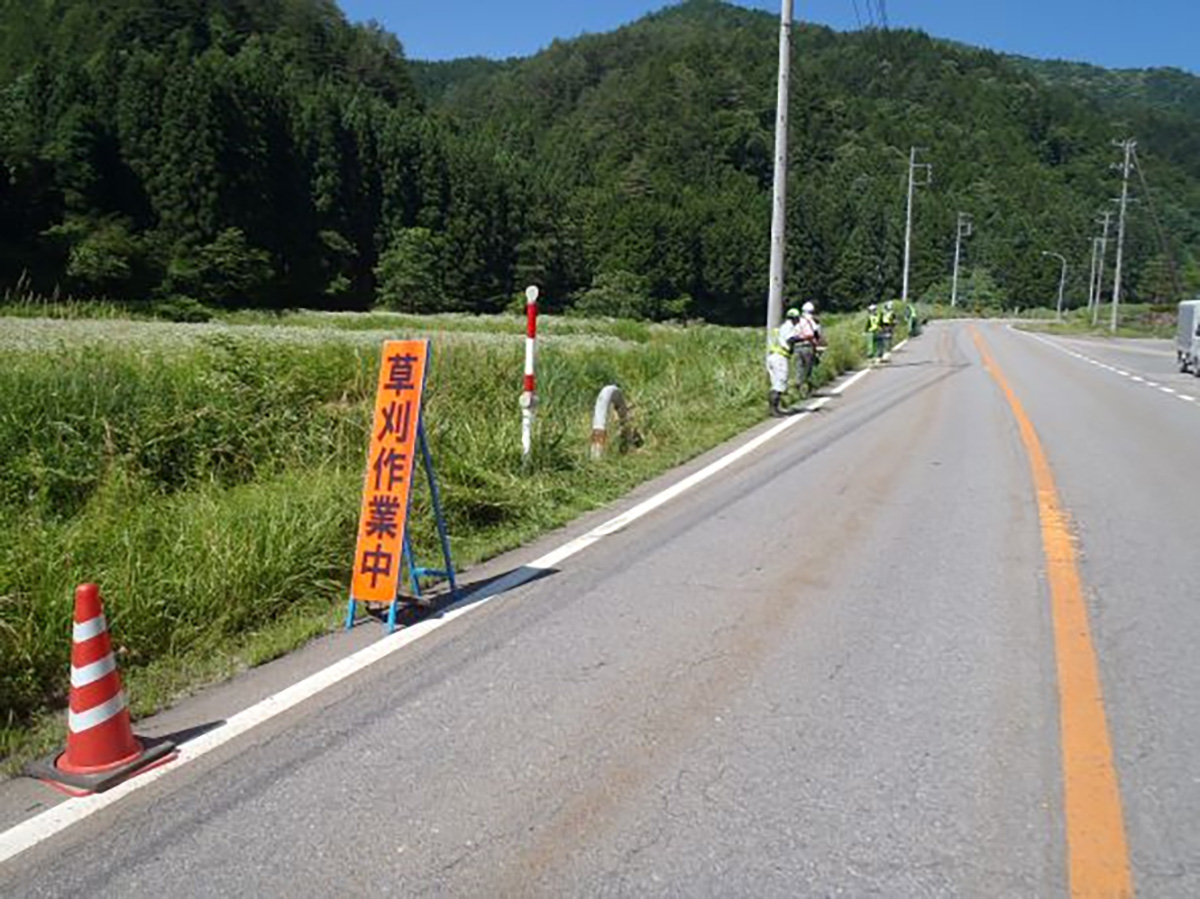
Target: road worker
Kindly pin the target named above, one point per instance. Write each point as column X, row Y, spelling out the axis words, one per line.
column 887, row 321
column 779, row 359
column 874, row 333
column 807, row 346
column 914, row 321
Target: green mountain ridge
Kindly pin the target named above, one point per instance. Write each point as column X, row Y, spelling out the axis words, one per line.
column 270, row 154
column 1167, row 88
column 1028, row 156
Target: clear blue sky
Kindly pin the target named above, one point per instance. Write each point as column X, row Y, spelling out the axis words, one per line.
column 1112, row 33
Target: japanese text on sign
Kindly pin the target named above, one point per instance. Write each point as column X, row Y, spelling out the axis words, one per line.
column 378, row 556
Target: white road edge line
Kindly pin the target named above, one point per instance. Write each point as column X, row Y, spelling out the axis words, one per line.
column 1132, row 377
column 28, row 834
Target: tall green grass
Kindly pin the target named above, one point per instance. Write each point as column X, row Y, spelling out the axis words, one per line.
column 1135, row 319
column 208, row 477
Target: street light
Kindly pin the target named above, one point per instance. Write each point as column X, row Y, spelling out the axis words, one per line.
column 1062, row 281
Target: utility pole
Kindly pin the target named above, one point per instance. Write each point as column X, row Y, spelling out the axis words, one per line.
column 1092, row 273
column 1106, row 220
column 1062, row 281
column 913, row 165
column 1129, row 144
column 779, row 208
column 965, row 228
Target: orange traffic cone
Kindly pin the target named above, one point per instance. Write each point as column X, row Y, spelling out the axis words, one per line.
column 101, row 748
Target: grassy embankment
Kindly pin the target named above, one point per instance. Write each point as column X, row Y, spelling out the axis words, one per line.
column 1135, row 320
column 208, row 476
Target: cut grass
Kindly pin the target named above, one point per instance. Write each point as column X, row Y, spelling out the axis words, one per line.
column 208, row 477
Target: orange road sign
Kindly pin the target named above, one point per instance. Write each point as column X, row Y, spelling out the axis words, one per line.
column 387, row 486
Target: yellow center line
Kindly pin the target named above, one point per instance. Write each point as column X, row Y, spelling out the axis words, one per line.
column 1096, row 846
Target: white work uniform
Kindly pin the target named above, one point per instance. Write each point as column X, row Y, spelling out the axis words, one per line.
column 779, row 356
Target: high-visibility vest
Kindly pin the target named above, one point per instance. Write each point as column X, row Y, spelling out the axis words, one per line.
column 888, row 318
column 874, row 322
column 781, row 346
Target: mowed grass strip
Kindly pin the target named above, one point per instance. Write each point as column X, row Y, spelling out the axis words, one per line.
column 208, row 476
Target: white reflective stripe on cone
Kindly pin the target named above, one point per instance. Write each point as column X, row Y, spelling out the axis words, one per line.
column 89, row 674
column 85, row 630
column 78, row 722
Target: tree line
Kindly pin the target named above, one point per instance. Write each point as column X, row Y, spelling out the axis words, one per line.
column 268, row 154
column 262, row 154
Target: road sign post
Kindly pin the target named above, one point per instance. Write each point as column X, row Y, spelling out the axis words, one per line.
column 397, row 434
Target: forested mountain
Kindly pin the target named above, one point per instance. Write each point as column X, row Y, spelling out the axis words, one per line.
column 1166, row 89
column 664, row 129
column 240, row 152
column 267, row 153
column 1160, row 106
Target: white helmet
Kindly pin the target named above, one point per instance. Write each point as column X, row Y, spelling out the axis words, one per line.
column 809, row 307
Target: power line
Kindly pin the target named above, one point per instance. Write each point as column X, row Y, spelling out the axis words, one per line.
column 877, row 13
column 1128, row 146
column 1162, row 237
column 927, row 171
column 872, row 13
column 966, row 227
column 1106, row 221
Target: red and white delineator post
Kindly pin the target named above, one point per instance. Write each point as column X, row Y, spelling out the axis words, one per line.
column 529, row 391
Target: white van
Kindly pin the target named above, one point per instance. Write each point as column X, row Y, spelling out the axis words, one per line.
column 1187, row 338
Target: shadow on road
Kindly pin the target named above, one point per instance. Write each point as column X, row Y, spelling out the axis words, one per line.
column 470, row 594
column 434, row 604
column 180, row 737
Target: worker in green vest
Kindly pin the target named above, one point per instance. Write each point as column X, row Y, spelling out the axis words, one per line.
column 887, row 325
column 914, row 322
column 779, row 360
column 874, row 333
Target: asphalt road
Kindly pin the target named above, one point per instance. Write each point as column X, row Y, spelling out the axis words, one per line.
column 829, row 670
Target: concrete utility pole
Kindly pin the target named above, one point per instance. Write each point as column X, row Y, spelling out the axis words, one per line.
column 779, row 209
column 1062, row 281
column 1106, row 220
column 913, row 165
column 1092, row 273
column 1129, row 144
column 965, row 229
